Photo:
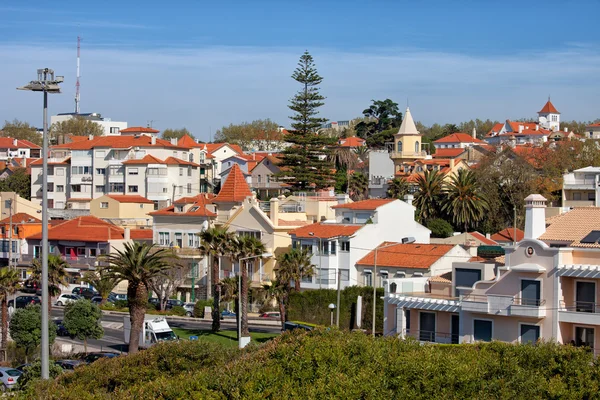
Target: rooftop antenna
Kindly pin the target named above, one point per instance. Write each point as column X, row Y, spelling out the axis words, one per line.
column 150, row 122
column 77, row 99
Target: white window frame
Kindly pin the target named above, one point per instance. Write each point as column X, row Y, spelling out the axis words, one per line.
column 104, row 204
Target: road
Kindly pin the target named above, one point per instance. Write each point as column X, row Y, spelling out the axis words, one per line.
column 113, row 330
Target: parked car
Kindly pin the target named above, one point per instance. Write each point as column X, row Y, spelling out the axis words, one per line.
column 118, row 296
column 174, row 303
column 98, row 299
column 189, row 309
column 30, row 286
column 69, row 365
column 22, row 367
column 90, row 358
column 227, row 314
column 60, row 328
column 84, row 292
column 271, row 315
column 66, row 299
column 24, row 301
column 8, row 378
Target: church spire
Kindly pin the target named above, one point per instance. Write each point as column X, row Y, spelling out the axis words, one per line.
column 408, row 126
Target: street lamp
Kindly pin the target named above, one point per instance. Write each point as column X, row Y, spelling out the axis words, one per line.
column 320, row 250
column 375, row 281
column 243, row 342
column 46, row 83
column 331, row 308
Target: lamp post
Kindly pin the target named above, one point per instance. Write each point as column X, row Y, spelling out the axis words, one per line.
column 245, row 341
column 194, row 275
column 331, row 308
column 46, row 83
column 320, row 250
column 375, row 281
column 10, row 228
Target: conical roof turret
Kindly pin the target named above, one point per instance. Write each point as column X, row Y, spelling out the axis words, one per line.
column 408, row 126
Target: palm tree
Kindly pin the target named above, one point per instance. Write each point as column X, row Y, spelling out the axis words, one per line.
column 464, row 199
column 362, row 152
column 9, row 283
column 215, row 242
column 137, row 264
column 279, row 290
column 244, row 247
column 358, row 186
column 230, row 292
column 398, row 188
column 427, row 199
column 102, row 281
column 57, row 275
column 294, row 265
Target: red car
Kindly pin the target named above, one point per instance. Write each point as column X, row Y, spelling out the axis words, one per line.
column 270, row 315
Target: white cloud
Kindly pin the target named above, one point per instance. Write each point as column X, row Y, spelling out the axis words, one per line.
column 210, row 87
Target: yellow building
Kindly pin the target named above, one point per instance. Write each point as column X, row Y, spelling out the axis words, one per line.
column 19, row 205
column 123, row 210
column 407, row 143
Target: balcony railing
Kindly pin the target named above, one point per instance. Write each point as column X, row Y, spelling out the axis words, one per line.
column 581, row 306
column 431, row 336
column 529, row 302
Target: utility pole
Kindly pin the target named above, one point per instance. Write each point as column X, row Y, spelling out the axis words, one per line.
column 10, row 228
column 337, row 309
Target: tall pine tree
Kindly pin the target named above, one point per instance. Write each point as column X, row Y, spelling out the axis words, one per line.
column 305, row 164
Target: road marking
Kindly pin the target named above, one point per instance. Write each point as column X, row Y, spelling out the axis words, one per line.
column 111, row 325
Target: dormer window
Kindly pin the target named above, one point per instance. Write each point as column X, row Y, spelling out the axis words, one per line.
column 179, row 209
column 194, row 209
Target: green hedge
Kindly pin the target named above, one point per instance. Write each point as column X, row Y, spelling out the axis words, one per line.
column 331, row 364
column 312, row 306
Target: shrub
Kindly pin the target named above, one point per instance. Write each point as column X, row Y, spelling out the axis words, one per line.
column 440, row 228
column 121, row 304
column 33, row 373
column 177, row 310
column 199, row 307
column 26, row 328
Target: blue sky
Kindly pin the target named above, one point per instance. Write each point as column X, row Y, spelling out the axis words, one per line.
column 207, row 64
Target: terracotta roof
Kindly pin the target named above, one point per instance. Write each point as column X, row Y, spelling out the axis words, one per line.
column 443, row 278
column 459, row 137
column 83, row 229
column 515, row 126
column 179, row 161
column 40, row 161
column 140, row 129
column 573, row 226
column 20, row 218
column 147, row 159
column 593, row 126
column 352, row 141
column 325, row 231
column 482, row 238
column 282, row 222
column 497, row 128
column 131, row 198
column 549, row 108
column 118, row 142
column 413, row 255
column 450, row 153
column 141, row 234
column 235, row 189
column 370, row 204
column 198, row 205
column 77, row 138
column 8, row 143
column 212, row 147
column 507, row 235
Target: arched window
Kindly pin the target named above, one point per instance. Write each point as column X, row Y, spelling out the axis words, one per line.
column 393, row 287
column 399, row 147
column 417, row 147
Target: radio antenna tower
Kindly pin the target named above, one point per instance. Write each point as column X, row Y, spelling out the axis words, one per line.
column 77, row 83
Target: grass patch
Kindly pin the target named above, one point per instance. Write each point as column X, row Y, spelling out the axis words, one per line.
column 226, row 338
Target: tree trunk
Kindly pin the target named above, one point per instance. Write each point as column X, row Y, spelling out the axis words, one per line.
column 85, row 345
column 244, row 301
column 236, row 310
column 4, row 327
column 138, row 298
column 216, row 315
column 282, row 311
column 297, row 284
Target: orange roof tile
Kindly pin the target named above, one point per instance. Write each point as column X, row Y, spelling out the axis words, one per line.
column 8, row 143
column 40, row 161
column 178, row 161
column 482, row 238
column 450, row 153
column 413, row 255
column 83, row 229
column 370, row 204
column 459, row 137
column 325, row 231
column 20, row 218
column 507, row 235
column 118, row 142
column 140, row 129
column 352, row 141
column 141, row 234
column 235, row 189
column 188, row 141
column 212, row 147
column 198, row 205
column 549, row 108
column 443, row 278
column 147, row 159
column 573, row 226
column 130, row 198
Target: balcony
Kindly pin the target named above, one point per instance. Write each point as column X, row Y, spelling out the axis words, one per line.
column 579, row 312
column 528, row 308
column 116, row 178
column 81, row 179
column 402, row 154
column 574, row 182
column 579, row 203
column 504, row 305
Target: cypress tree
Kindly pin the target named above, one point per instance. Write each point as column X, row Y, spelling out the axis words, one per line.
column 306, row 163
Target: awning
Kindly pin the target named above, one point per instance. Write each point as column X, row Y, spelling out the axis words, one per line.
column 368, row 271
column 383, row 272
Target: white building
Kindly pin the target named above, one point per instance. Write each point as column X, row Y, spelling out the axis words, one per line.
column 81, row 171
column 581, row 187
column 358, row 228
column 110, row 127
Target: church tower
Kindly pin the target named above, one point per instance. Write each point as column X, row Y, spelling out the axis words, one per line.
column 407, row 142
column 549, row 117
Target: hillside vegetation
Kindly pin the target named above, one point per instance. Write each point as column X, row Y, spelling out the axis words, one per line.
column 337, row 365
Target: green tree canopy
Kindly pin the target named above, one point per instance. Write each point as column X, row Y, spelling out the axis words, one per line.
column 440, row 228
column 260, row 134
column 175, row 133
column 26, row 328
column 19, row 182
column 306, row 164
column 382, row 120
column 428, row 197
column 82, row 320
column 77, row 126
column 358, row 186
column 9, row 283
column 398, row 188
column 21, row 130
column 464, row 199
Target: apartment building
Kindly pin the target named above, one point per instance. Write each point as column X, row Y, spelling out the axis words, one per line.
column 80, row 171
column 358, row 228
column 18, row 148
column 581, row 187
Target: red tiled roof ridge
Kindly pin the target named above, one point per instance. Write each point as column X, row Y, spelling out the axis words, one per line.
column 20, row 218
column 129, row 198
column 403, row 255
column 235, row 189
column 459, row 137
column 143, row 129
column 549, row 108
column 369, row 204
column 326, row 230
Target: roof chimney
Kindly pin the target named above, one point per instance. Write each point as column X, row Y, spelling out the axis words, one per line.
column 90, row 137
column 474, row 133
column 127, row 234
column 537, row 127
column 535, row 216
column 174, row 141
column 521, row 127
column 15, row 141
column 153, row 140
column 408, row 198
column 274, row 211
column 451, row 163
column 566, row 129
